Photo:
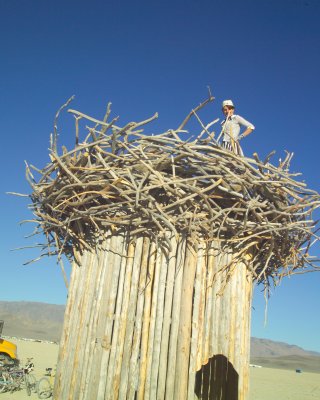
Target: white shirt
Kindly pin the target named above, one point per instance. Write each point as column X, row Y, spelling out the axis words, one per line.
column 232, row 125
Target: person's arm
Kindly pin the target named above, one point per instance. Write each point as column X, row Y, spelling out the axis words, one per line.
column 247, row 132
column 248, row 125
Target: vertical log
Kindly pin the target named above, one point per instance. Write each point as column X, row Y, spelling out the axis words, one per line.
column 208, row 303
column 175, row 318
column 232, row 314
column 134, row 361
column 196, row 324
column 155, row 371
column 146, row 321
column 74, row 292
column 123, row 323
column 117, row 318
column 183, row 346
column 246, row 331
column 152, row 326
column 240, row 332
column 131, row 317
column 220, row 362
column 202, row 309
column 106, row 314
column 163, row 362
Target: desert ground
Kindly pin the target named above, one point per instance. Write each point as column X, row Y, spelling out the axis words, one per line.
column 281, row 384
column 265, row 383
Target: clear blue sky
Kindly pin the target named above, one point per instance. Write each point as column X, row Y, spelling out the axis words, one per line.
column 148, row 56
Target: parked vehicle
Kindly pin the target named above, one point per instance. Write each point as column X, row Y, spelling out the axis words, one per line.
column 8, row 350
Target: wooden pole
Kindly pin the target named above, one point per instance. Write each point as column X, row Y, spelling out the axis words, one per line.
column 183, row 345
column 175, row 319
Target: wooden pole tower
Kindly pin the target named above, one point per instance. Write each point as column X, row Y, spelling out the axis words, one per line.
column 167, row 237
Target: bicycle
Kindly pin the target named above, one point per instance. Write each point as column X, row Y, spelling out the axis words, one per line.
column 12, row 379
column 4, row 384
column 45, row 385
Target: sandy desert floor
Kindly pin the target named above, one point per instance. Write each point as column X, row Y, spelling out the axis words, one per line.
column 265, row 383
column 281, row 384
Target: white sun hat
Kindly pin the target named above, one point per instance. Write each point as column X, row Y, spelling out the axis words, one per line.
column 227, row 103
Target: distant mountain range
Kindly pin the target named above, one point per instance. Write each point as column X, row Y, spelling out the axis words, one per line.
column 270, row 348
column 269, row 353
column 32, row 320
column 44, row 321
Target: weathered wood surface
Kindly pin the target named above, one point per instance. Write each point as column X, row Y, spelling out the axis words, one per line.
column 143, row 323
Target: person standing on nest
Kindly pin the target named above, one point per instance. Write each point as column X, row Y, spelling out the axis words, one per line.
column 231, row 127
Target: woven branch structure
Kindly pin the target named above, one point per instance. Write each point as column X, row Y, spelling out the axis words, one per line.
column 167, row 237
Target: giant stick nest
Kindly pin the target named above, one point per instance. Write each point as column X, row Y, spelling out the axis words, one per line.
column 119, row 179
